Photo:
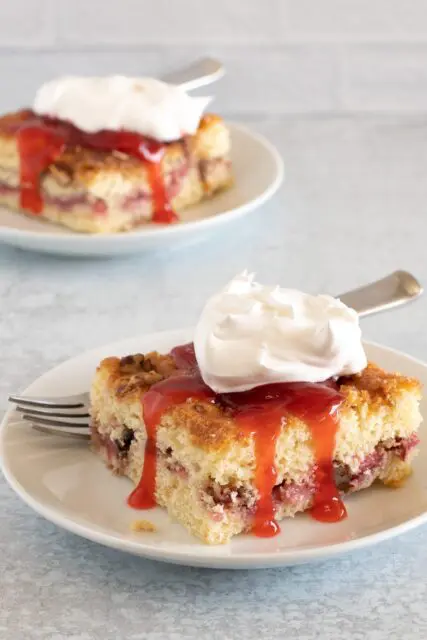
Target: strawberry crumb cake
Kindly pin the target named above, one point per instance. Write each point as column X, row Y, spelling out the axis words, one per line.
column 102, row 155
column 272, row 411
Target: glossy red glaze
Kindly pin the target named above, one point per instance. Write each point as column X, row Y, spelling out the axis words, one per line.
column 161, row 397
column 259, row 412
column 185, row 356
column 41, row 141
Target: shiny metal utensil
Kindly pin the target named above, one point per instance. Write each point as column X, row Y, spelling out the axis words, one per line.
column 69, row 415
column 396, row 289
column 199, row 74
column 60, row 415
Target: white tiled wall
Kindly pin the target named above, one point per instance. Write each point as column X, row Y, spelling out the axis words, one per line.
column 282, row 56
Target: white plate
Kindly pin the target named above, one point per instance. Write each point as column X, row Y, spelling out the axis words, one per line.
column 258, row 171
column 67, row 484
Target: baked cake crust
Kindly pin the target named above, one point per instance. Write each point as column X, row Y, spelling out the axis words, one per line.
column 206, row 464
column 127, row 378
column 97, row 191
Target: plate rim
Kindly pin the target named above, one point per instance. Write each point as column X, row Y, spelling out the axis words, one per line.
column 101, row 239
column 240, row 560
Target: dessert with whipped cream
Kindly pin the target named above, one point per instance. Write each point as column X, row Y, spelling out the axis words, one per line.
column 273, row 410
column 102, row 155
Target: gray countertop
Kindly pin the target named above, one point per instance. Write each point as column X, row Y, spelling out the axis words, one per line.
column 352, row 209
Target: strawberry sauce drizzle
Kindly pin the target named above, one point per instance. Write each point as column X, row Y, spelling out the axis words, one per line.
column 41, row 141
column 161, row 397
column 258, row 412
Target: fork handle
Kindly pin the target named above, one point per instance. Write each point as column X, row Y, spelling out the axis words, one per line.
column 392, row 291
column 200, row 73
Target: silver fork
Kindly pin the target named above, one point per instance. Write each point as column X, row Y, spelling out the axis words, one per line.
column 61, row 415
column 69, row 415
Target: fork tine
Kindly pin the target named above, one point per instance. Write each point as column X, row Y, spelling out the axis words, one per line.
column 47, row 411
column 62, row 433
column 66, row 402
column 55, row 423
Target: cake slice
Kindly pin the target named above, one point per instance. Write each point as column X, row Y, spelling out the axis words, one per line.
column 94, row 183
column 222, row 464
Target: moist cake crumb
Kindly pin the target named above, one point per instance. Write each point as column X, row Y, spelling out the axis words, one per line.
column 204, row 463
column 140, row 526
column 96, row 190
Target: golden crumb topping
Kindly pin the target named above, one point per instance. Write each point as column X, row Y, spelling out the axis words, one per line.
column 213, row 427
column 10, row 122
column 135, row 374
column 208, row 424
column 376, row 386
column 83, row 165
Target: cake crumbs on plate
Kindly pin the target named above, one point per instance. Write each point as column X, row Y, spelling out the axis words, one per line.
column 142, row 525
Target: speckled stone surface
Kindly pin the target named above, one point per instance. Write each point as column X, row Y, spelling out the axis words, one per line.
column 353, row 208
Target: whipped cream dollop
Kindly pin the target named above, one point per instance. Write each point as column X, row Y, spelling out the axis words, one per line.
column 142, row 105
column 249, row 335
